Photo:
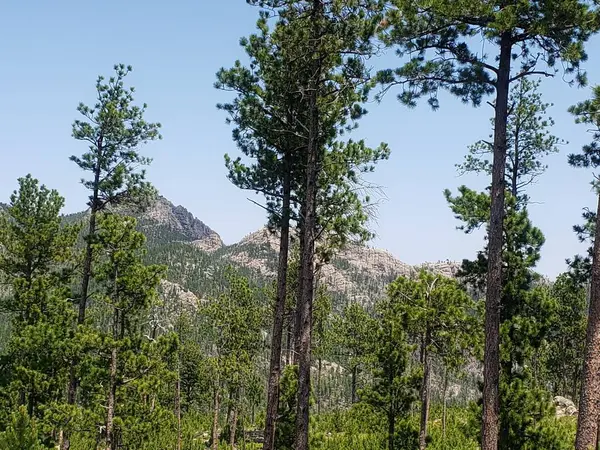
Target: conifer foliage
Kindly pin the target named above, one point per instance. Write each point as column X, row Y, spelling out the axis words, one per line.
column 36, row 260
column 124, row 327
column 527, row 39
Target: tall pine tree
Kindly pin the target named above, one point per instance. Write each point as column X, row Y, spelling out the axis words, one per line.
column 526, row 310
column 588, row 113
column 525, row 38
column 114, row 128
column 439, row 313
column 277, row 125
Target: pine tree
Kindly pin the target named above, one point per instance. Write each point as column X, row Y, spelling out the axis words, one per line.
column 267, row 114
column 37, row 259
column 588, row 113
column 440, row 313
column 525, row 320
column 351, row 332
column 21, row 434
column 128, row 288
column 277, row 123
column 114, row 128
column 321, row 32
column 534, row 37
column 530, row 140
column 566, row 336
column 395, row 386
column 235, row 319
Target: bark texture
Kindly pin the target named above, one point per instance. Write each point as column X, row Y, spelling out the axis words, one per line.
column 307, row 265
column 491, row 369
column 233, row 427
column 425, row 393
column 354, row 377
column 391, row 429
column 589, row 402
column 278, row 319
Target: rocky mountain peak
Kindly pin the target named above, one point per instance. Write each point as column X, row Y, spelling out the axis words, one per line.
column 180, row 220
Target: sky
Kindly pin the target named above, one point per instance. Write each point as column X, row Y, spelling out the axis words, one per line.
column 52, row 52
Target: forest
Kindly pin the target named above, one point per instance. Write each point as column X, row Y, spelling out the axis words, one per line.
column 119, row 332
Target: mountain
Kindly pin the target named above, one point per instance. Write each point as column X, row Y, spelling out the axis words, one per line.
column 196, row 258
column 165, row 221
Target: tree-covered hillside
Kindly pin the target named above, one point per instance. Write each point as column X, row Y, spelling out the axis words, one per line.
column 197, row 258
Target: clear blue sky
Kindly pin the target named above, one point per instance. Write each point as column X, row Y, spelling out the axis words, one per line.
column 52, row 52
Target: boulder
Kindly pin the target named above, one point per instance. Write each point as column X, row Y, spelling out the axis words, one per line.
column 564, row 407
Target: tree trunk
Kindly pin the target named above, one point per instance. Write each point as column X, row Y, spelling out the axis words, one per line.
column 491, row 369
column 289, row 339
column 215, row 426
column 425, row 390
column 444, row 407
column 233, row 426
column 229, row 407
column 391, row 429
column 319, row 369
column 87, row 265
column 354, row 376
column 118, row 332
column 31, row 402
column 589, row 401
column 297, row 328
column 307, row 269
column 279, row 315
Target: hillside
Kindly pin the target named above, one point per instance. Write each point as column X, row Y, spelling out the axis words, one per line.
column 196, row 255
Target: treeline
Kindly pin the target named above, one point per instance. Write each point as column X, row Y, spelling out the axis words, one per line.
column 98, row 355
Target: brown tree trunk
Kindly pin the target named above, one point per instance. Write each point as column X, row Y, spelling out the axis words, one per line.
column 589, row 401
column 491, row 368
column 297, row 328
column 87, row 267
column 425, row 390
column 307, row 262
column 278, row 316
column 233, row 426
column 215, row 426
